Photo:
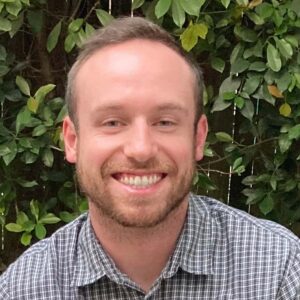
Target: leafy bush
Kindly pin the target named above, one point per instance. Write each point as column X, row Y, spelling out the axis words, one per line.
column 249, row 51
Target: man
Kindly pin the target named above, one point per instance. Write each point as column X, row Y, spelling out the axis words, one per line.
column 135, row 129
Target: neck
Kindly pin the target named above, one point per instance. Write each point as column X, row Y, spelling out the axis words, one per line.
column 140, row 252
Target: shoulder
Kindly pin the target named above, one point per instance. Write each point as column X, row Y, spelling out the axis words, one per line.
column 250, row 249
column 242, row 224
column 45, row 263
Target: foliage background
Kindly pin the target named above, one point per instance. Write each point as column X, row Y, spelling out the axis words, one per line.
column 249, row 53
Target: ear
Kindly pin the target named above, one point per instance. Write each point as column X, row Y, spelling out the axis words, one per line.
column 70, row 140
column 201, row 133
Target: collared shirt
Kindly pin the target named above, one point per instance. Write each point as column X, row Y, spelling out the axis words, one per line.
column 222, row 253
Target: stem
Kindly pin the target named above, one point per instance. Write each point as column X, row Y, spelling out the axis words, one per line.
column 245, row 149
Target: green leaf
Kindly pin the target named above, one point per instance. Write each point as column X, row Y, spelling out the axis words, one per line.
column 48, row 157
column 295, row 6
column 63, row 112
column 294, row 132
column 239, row 66
column 189, row 38
column 292, row 39
column 237, row 163
column 89, row 29
column 162, row 7
column 26, row 183
column 69, row 43
column 239, row 102
column 43, row 91
column 223, row 137
column 3, row 70
column 248, row 110
column 16, row 25
column 285, row 110
column 9, row 157
column 192, row 7
column 40, row 231
column 236, row 53
column 201, row 30
column 252, row 84
column 22, row 218
column 13, row 227
column 75, row 25
column 5, row 24
column 225, row 3
column 4, row 149
column 49, row 219
column 39, row 130
column 255, row 18
column 104, row 17
column 26, row 238
column 267, row 205
column 230, row 84
column 66, row 216
column 284, row 143
column 34, row 208
column 284, row 81
column 137, row 3
column 23, row 85
column 273, row 57
column 265, row 10
column 53, row 37
column 228, row 95
column 246, row 34
column 13, row 8
column 218, row 64
column 285, row 48
column 242, row 2
column 178, row 13
column 32, row 105
column 220, row 104
column 36, row 20
column 204, row 182
column 23, row 118
column 3, row 53
column 257, row 66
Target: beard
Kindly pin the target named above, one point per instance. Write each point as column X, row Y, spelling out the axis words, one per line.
column 135, row 211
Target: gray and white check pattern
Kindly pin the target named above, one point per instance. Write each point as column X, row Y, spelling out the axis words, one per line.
column 222, row 253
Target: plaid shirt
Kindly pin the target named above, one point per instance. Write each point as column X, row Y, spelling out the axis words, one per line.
column 222, row 253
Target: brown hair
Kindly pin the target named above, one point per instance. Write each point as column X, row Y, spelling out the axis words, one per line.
column 122, row 30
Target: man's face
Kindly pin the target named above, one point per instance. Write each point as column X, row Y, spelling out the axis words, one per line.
column 135, row 145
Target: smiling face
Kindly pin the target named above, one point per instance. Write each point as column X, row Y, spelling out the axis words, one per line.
column 135, row 145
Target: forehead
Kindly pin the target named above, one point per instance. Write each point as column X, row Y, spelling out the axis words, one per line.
column 133, row 68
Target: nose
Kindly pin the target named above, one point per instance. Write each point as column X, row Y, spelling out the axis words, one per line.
column 140, row 144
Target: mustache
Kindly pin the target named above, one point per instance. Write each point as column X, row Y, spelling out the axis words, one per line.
column 154, row 164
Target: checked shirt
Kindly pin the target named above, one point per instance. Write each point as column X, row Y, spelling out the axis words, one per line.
column 222, row 253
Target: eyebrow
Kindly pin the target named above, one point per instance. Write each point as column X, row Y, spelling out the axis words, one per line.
column 160, row 108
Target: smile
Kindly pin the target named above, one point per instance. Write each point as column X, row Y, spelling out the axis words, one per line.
column 139, row 181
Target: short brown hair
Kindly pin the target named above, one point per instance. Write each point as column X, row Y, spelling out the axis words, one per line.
column 122, row 30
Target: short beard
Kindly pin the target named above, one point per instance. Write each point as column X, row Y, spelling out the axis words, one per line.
column 97, row 193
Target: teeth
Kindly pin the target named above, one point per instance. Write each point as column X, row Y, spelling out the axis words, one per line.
column 140, row 181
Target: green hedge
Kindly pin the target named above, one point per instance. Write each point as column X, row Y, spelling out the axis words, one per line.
column 249, row 52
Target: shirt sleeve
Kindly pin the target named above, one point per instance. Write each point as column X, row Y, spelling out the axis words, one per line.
column 3, row 287
column 290, row 288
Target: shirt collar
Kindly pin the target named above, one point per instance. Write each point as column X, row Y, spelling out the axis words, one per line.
column 193, row 253
column 92, row 263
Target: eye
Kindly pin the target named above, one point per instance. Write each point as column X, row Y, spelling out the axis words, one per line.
column 112, row 123
column 166, row 123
